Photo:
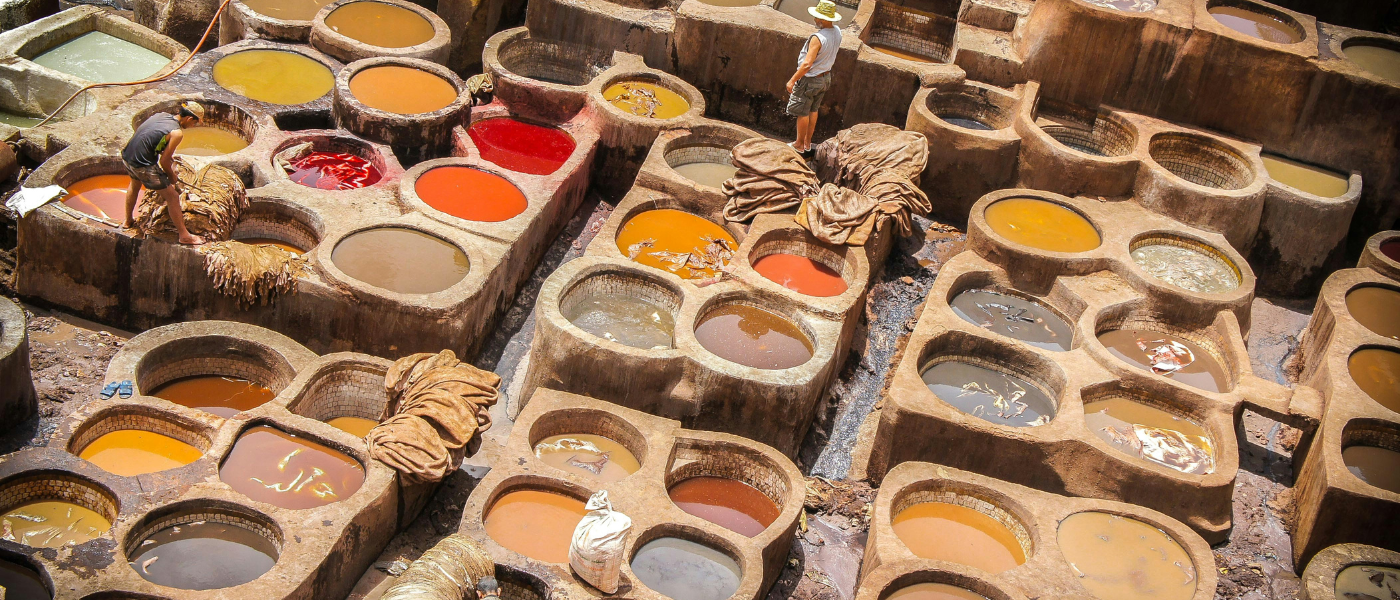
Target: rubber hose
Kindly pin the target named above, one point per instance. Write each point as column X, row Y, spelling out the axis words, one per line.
column 447, row 571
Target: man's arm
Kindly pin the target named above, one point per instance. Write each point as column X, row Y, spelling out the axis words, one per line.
column 814, row 45
column 167, row 158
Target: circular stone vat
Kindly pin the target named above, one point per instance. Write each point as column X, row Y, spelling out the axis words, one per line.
column 801, row 274
column 552, row 61
column 1042, row 224
column 933, row 591
column 959, row 534
column 588, row 455
column 1377, row 372
column 213, row 373
column 287, row 10
column 1147, row 433
column 535, row 523
column 971, row 108
column 754, row 337
column 1169, row 355
column 129, row 442
column 380, row 24
column 1014, row 317
column 706, row 165
column 274, row 76
column 1377, row 466
column 684, row 570
column 289, row 471
column 1185, row 263
column 223, row 395
column 401, row 90
column 1120, row 557
column 646, row 99
column 1367, row 581
column 210, row 140
column 348, row 396
column 328, row 170
column 729, row 503
column 1376, row 56
column 102, row 196
column 402, row 260
column 1095, row 134
column 1391, row 249
column 50, row 510
column 1201, row 160
column 977, row 389
column 521, row 146
column 285, row 226
column 1376, row 308
column 1257, row 21
column 470, row 193
column 21, row 581
column 204, row 550
column 628, row 310
column 689, row 246
column 1324, row 183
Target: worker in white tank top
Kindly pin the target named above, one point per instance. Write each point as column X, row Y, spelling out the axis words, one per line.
column 813, row 76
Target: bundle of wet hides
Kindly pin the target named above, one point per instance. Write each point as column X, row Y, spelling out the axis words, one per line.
column 436, row 405
column 254, row 274
column 853, row 156
column 771, row 177
column 840, row 215
column 212, row 201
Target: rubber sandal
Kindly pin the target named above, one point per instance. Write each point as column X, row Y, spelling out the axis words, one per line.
column 124, row 389
column 109, row 391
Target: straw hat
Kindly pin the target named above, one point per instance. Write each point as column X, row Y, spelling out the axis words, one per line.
column 194, row 108
column 825, row 10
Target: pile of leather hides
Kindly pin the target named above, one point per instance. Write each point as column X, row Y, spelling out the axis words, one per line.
column 436, row 405
column 213, row 200
column 254, row 274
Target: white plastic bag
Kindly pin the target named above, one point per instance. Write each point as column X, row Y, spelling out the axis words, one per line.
column 599, row 540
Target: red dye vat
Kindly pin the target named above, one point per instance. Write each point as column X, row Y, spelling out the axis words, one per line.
column 521, row 147
column 801, row 274
column 470, row 194
column 334, row 171
column 1391, row 249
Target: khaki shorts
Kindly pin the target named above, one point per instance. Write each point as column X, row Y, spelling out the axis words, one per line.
column 807, row 95
column 151, row 176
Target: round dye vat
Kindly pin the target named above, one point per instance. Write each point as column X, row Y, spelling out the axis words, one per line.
column 103, row 58
column 753, row 337
column 589, row 455
column 933, row 591
column 1014, row 317
column 646, row 100
column 1255, row 24
column 801, row 274
column 707, row 173
column 684, row 570
column 1391, row 250
column 966, row 123
column 281, row 469
column 624, row 319
column 1168, row 355
column 1151, row 434
column 1126, row 5
column 677, row 241
column 210, row 141
column 1377, row 372
column 203, row 555
column 729, row 503
column 257, row 241
column 380, row 24
column 988, row 394
column 1041, row 224
column 1380, row 61
column 132, row 452
column 1377, row 466
column 101, row 196
column 898, row 53
column 217, row 394
column 20, row 581
column 944, row 531
column 1188, row 268
column 287, row 10
column 356, row 426
column 1361, row 582
column 273, row 76
column 401, row 260
column 538, row 524
column 334, row 171
column 522, row 147
column 1305, row 177
column 1118, row 558
column 470, row 194
column 52, row 524
column 402, row 90
column 1376, row 308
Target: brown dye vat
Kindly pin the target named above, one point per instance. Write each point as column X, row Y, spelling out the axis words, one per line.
column 20, row 581
column 1376, row 308
column 635, row 322
column 1167, row 355
column 272, row 466
column 203, row 555
column 729, row 503
column 988, row 394
column 1363, row 582
column 402, row 90
column 1013, row 317
column 52, row 524
column 1262, row 26
column 1187, row 268
column 272, row 242
column 356, row 426
column 380, row 24
column 1119, row 558
column 1377, row 466
column 588, row 455
column 706, row 173
column 933, row 591
column 1313, row 180
column 101, row 196
column 753, row 337
column 132, row 452
column 1151, row 434
column 1382, row 62
column 897, row 53
column 401, row 260
column 217, row 394
column 538, row 524
column 1377, row 372
column 287, row 10
column 958, row 534
column 677, row 241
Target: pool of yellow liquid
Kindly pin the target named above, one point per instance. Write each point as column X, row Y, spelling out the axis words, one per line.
column 52, row 524
column 274, row 76
column 287, row 10
column 380, row 24
column 665, row 238
column 131, row 452
column 1313, row 180
column 646, row 99
column 356, row 426
column 1042, row 224
column 210, row 141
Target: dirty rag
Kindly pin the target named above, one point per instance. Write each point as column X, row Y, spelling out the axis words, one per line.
column 771, row 177
column 27, row 199
column 254, row 274
column 212, row 201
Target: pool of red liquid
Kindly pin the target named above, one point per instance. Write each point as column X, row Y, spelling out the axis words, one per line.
column 522, row 147
column 801, row 274
column 470, row 194
column 334, row 171
column 1391, row 250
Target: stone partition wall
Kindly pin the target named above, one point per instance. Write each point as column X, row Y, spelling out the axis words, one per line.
column 17, row 399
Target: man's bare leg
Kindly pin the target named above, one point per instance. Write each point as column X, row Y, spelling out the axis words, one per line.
column 802, row 140
column 133, row 193
column 811, row 129
column 177, row 216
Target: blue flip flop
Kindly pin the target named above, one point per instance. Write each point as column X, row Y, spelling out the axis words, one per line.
column 124, row 389
column 110, row 390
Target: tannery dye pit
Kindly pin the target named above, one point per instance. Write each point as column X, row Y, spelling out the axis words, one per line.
column 203, row 555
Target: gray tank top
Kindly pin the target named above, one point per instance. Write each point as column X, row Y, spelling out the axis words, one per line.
column 150, row 140
column 826, row 57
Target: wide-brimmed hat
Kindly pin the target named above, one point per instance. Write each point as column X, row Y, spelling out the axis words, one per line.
column 193, row 108
column 825, row 10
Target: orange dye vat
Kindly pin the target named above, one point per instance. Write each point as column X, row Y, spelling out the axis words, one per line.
column 676, row 241
column 801, row 274
column 470, row 194
column 402, row 90
column 101, row 196
column 538, row 524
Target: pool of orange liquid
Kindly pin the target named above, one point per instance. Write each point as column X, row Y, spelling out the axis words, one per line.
column 1041, row 224
column 402, row 90
column 217, row 394
column 356, row 426
column 281, row 469
column 1120, row 558
column 380, row 24
column 470, row 194
column 677, row 241
column 943, row 531
column 100, row 196
column 801, row 274
column 131, row 452
column 538, row 524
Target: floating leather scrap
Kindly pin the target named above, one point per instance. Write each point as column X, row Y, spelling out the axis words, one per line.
column 252, row 273
column 855, row 155
column 771, row 177
column 436, row 405
column 213, row 200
